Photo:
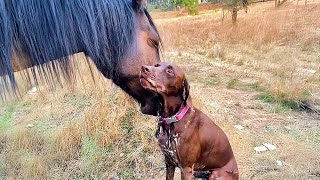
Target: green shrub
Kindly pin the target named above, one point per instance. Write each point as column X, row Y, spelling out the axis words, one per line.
column 178, row 2
column 151, row 7
column 167, row 7
column 191, row 5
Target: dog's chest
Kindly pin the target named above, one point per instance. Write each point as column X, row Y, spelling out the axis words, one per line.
column 169, row 142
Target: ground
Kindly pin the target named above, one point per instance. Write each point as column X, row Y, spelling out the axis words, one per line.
column 262, row 73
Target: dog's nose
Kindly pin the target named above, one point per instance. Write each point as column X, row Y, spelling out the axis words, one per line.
column 145, row 69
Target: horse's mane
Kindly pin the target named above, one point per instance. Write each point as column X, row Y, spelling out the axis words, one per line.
column 43, row 30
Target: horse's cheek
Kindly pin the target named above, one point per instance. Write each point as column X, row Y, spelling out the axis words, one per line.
column 141, row 53
column 148, row 55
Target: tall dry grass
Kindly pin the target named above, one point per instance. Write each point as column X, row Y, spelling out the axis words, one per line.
column 273, row 46
column 261, row 25
column 91, row 131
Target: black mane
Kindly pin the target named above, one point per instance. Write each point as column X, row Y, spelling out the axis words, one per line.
column 45, row 30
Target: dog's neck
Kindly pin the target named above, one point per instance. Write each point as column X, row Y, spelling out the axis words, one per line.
column 170, row 105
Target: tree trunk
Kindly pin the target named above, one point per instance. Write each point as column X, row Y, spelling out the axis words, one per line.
column 234, row 14
column 222, row 14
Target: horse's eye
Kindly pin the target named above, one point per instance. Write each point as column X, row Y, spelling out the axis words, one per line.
column 156, row 65
column 153, row 43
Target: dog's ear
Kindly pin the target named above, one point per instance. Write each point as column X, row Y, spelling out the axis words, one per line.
column 185, row 91
column 139, row 5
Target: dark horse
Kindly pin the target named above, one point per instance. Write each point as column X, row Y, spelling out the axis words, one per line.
column 118, row 35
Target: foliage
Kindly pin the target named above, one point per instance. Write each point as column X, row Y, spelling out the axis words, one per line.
column 178, row 2
column 167, row 5
column 191, row 5
column 151, row 7
column 213, row 1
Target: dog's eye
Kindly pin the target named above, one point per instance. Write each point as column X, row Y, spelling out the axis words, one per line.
column 156, row 65
column 170, row 69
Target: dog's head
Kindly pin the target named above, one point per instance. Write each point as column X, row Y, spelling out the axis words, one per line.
column 165, row 79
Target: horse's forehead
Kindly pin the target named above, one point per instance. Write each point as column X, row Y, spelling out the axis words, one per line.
column 146, row 25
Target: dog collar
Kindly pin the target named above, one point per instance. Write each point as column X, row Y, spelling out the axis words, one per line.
column 176, row 117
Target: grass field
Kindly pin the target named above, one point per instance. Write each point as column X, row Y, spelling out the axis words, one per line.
column 262, row 73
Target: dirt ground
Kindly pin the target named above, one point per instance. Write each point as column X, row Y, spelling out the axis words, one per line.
column 295, row 134
column 228, row 87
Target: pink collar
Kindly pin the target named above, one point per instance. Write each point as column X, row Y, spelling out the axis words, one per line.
column 176, row 117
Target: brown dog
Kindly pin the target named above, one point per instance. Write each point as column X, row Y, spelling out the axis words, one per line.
column 188, row 138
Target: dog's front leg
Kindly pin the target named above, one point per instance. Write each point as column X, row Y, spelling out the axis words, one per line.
column 186, row 173
column 170, row 168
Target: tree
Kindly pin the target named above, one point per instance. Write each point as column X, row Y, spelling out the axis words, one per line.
column 235, row 5
column 190, row 5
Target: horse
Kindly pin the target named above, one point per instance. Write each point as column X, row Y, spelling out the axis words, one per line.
column 118, row 35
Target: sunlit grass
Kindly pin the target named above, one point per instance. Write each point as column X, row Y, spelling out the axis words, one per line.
column 96, row 131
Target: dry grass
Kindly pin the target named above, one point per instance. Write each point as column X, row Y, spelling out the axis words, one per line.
column 83, row 134
column 263, row 24
column 274, row 46
column 93, row 130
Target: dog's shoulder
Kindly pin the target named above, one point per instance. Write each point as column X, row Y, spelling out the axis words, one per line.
column 202, row 118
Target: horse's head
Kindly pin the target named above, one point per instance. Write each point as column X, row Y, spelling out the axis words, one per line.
column 118, row 35
column 144, row 51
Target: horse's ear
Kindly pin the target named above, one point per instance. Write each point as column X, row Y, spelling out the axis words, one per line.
column 139, row 5
column 185, row 91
